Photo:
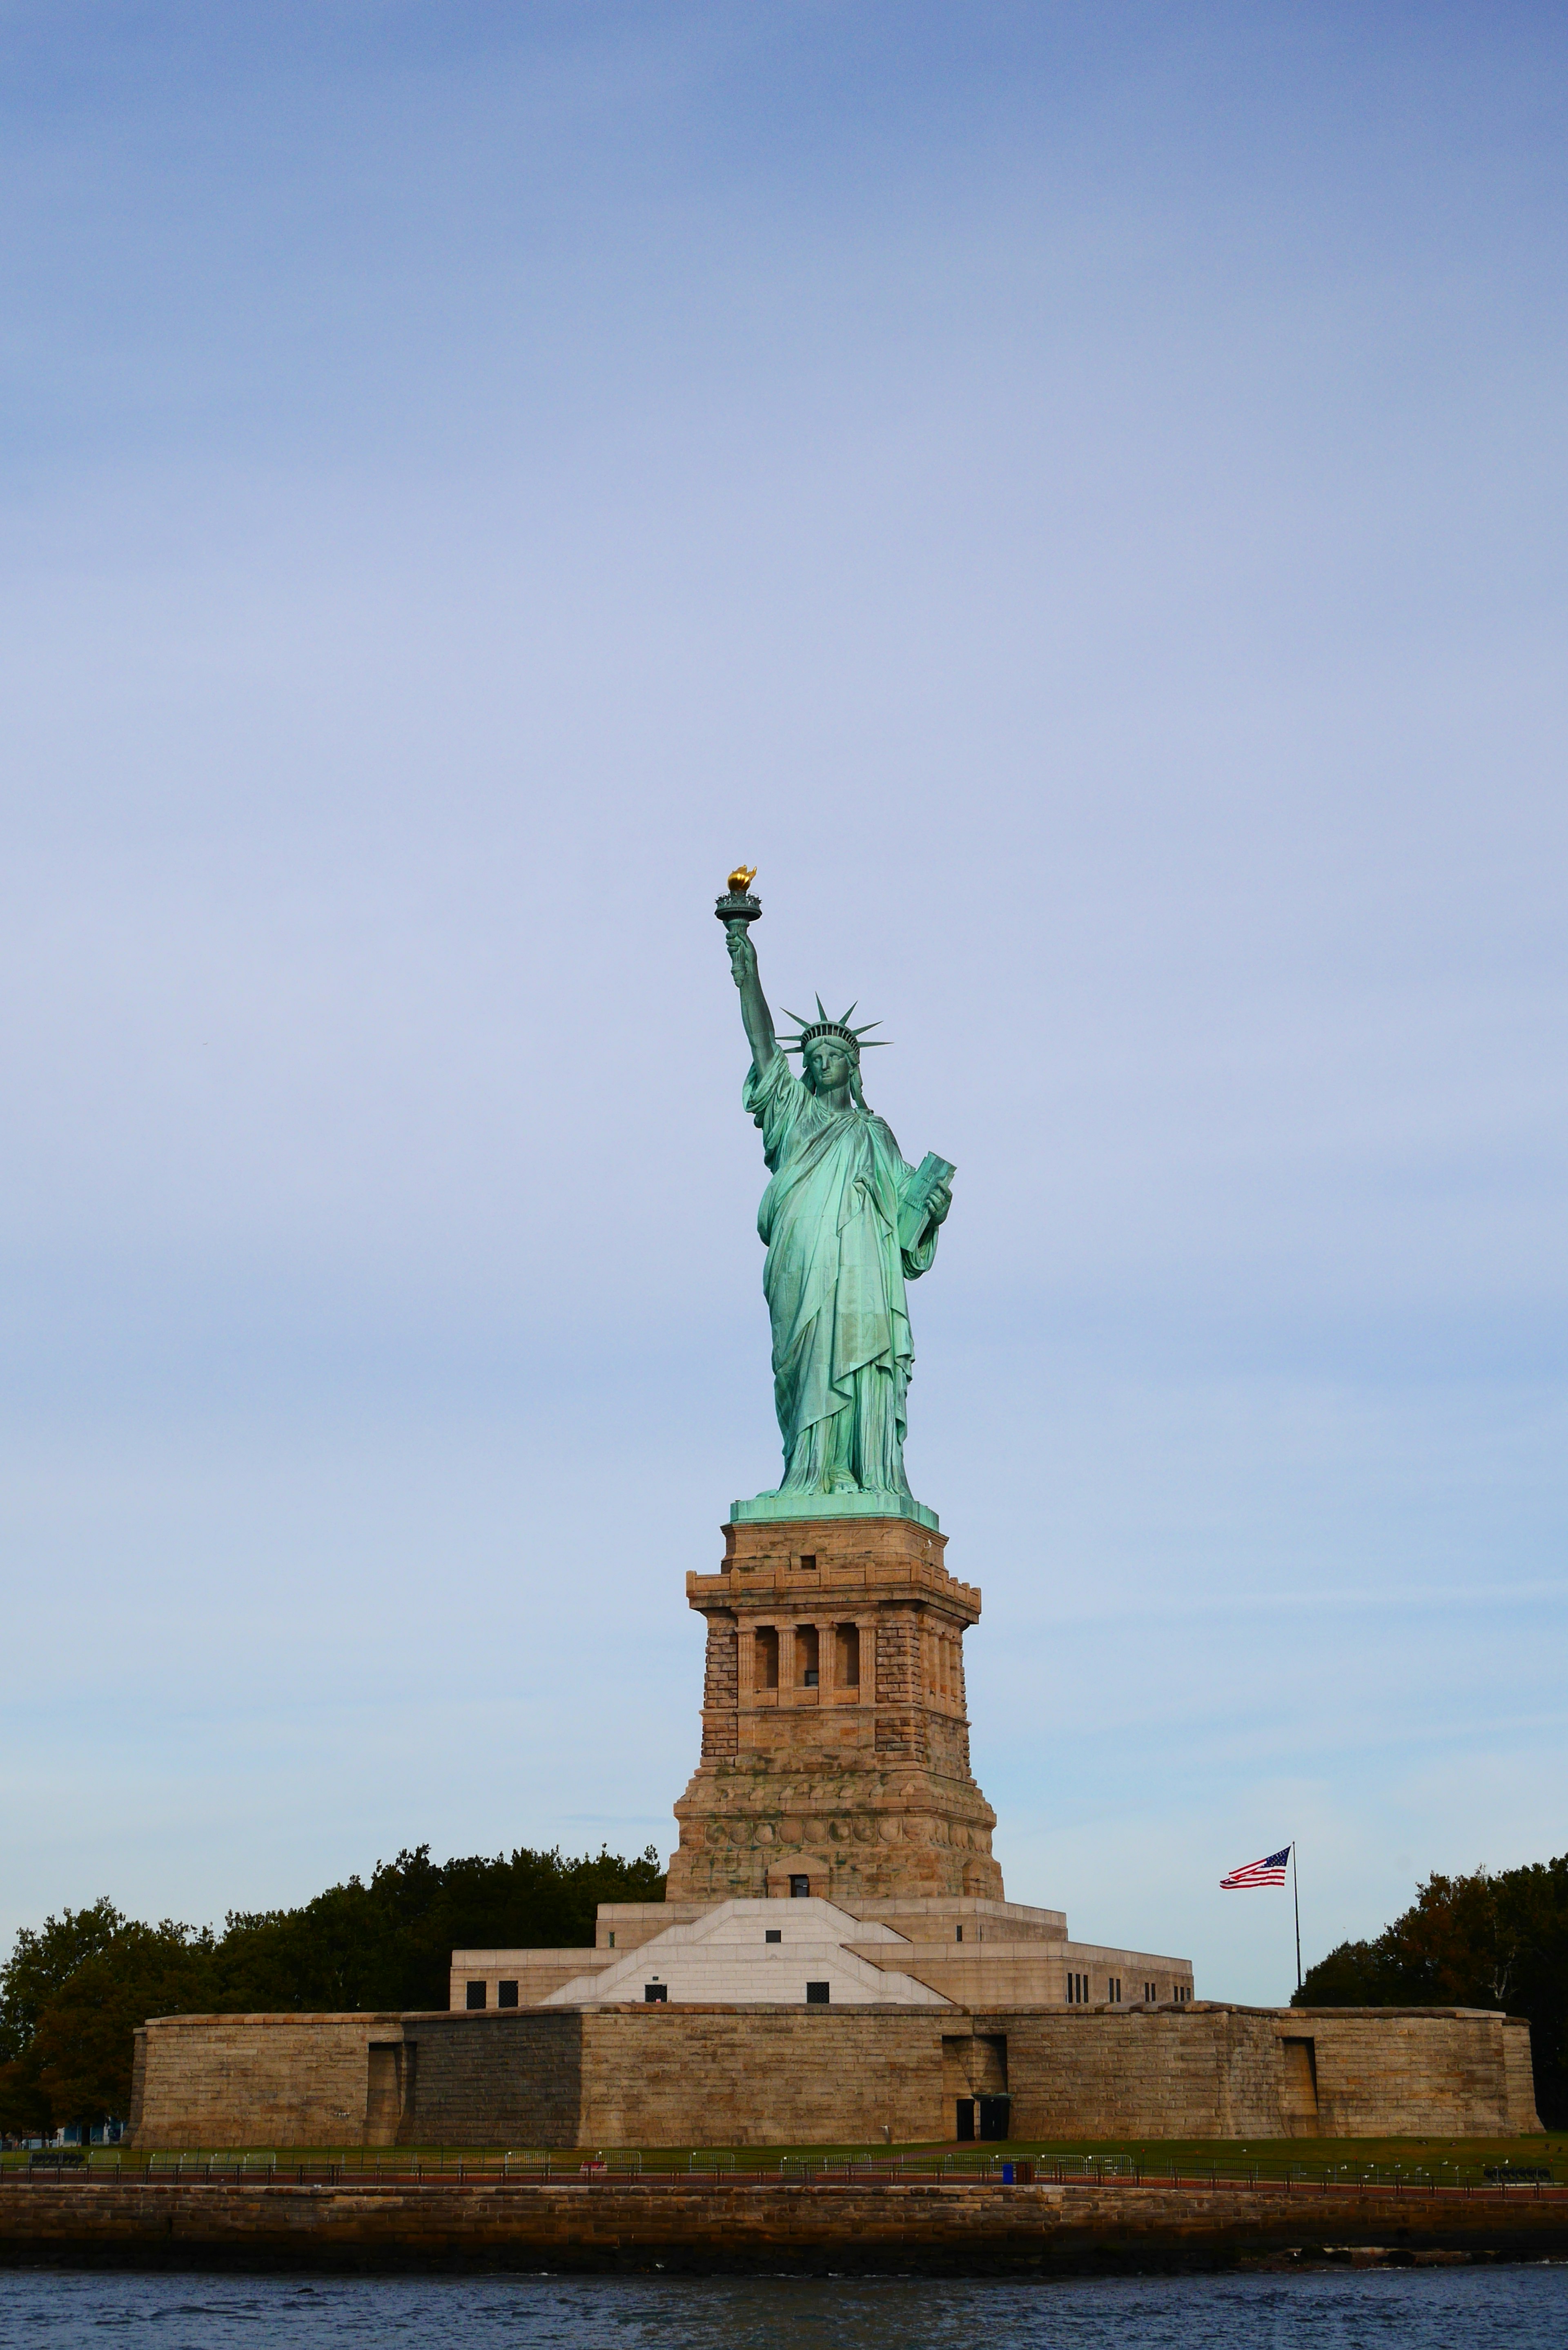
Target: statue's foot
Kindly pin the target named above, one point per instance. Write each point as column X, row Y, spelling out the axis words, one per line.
column 842, row 1484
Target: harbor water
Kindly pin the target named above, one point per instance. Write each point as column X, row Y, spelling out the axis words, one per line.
column 1460, row 2308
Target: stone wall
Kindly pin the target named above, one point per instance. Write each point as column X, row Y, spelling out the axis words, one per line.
column 762, row 2077
column 507, row 2079
column 256, row 2080
column 998, row 1974
column 536, row 1973
column 1200, row 2071
column 701, row 2076
column 765, row 2226
column 1518, row 2075
column 1222, row 2071
column 1443, row 2076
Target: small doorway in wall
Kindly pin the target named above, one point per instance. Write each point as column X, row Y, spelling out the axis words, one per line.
column 982, row 2117
column 383, row 2091
column 1298, row 2087
column 974, row 2075
column 800, row 1889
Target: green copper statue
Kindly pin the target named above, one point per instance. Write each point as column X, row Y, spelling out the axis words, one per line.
column 846, row 1222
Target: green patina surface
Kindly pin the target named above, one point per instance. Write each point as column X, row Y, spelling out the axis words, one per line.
column 847, row 1224
column 834, row 1505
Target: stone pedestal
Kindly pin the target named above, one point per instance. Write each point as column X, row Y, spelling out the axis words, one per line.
column 834, row 1733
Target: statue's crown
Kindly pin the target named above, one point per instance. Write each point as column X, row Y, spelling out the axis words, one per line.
column 823, row 1026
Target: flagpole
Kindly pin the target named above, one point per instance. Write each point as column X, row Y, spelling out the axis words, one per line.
column 1296, row 1890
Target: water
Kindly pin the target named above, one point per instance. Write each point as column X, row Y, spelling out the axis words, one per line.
column 1395, row 2308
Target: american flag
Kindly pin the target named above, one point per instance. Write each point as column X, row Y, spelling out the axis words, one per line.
column 1257, row 1872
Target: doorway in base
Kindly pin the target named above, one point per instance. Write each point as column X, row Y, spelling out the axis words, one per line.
column 982, row 2117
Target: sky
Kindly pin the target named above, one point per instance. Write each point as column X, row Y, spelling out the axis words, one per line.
column 1076, row 497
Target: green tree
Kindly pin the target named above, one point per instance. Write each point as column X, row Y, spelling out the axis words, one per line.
column 76, row 1988
column 388, row 1944
column 86, row 2034
column 46, row 1957
column 71, row 1996
column 1489, row 1940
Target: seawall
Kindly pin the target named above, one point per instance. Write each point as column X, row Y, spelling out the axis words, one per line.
column 974, row 2227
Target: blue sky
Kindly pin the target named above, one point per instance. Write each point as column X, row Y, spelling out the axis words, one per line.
column 1076, row 497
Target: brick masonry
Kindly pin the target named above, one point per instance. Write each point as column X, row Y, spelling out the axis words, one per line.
column 699, row 2075
column 834, row 1729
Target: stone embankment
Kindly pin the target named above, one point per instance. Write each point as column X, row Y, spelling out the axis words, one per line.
column 770, row 2225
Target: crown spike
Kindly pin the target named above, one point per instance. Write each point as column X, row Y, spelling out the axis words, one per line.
column 823, row 1027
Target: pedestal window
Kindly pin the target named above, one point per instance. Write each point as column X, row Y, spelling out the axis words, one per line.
column 847, row 1655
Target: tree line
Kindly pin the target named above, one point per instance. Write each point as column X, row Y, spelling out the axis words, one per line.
column 1490, row 1939
column 76, row 1988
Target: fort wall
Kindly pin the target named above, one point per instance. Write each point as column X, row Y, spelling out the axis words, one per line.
column 257, row 2080
column 706, row 2075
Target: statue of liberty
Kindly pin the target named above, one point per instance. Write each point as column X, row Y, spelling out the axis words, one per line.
column 846, row 1222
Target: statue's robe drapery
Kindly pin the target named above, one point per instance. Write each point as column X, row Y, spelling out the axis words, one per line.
column 834, row 1286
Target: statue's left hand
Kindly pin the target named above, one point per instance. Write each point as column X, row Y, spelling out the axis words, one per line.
column 941, row 1200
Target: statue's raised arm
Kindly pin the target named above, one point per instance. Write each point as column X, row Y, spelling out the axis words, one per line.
column 754, row 1012
column 738, row 910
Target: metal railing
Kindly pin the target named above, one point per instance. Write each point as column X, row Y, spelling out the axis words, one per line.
column 399, row 2169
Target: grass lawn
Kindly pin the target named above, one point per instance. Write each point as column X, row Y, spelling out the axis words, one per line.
column 1440, row 2160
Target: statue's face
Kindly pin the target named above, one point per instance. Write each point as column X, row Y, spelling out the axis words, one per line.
column 829, row 1065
